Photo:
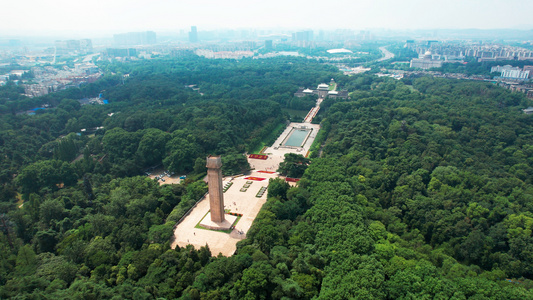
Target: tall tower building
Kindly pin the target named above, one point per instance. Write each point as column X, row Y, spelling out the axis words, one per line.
column 135, row 38
column 193, row 35
column 216, row 195
column 268, row 45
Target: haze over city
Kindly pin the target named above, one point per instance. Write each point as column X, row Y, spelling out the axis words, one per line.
column 203, row 150
column 62, row 17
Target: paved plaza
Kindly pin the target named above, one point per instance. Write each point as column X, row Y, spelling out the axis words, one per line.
column 241, row 197
column 245, row 203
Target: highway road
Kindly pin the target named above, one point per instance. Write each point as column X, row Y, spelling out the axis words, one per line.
column 387, row 54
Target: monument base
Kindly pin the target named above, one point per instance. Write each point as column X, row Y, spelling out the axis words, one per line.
column 224, row 225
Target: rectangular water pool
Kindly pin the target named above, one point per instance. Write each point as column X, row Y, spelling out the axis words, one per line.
column 297, row 137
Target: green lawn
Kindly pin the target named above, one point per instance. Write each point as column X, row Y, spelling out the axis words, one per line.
column 20, row 201
column 269, row 139
column 296, row 112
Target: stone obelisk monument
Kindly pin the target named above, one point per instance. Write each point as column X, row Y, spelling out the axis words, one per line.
column 216, row 196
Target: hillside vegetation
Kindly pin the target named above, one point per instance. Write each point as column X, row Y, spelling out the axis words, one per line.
column 423, row 189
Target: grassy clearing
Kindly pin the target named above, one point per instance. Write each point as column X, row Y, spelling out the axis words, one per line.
column 296, row 112
column 20, row 201
column 269, row 140
column 198, row 226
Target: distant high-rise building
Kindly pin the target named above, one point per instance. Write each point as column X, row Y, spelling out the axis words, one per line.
column 135, row 38
column 193, row 35
column 86, row 45
column 120, row 52
column 364, row 35
column 73, row 44
column 60, row 45
column 530, row 69
column 14, row 43
column 510, row 72
column 268, row 44
column 302, row 36
column 321, row 35
column 80, row 46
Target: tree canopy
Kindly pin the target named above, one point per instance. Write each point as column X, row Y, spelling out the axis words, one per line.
column 420, row 188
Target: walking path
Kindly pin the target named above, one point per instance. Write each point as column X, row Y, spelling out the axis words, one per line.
column 312, row 113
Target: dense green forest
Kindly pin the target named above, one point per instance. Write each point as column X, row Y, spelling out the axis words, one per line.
column 422, row 187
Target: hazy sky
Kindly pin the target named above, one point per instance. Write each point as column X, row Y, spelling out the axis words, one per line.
column 49, row 17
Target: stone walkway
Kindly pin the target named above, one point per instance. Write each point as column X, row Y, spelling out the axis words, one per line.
column 312, row 113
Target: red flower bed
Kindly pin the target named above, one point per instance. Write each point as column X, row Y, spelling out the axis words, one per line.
column 234, row 214
column 292, row 179
column 255, row 178
column 258, row 156
column 267, row 172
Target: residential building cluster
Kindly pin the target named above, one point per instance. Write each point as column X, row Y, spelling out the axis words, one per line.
column 135, row 38
column 195, row 35
column 347, row 70
column 510, row 72
column 119, row 52
column 278, row 53
column 49, row 79
column 521, row 88
column 269, row 38
column 223, row 54
column 135, row 52
column 84, row 46
column 450, row 51
column 14, row 75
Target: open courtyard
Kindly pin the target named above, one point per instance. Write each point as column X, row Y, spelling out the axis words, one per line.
column 236, row 200
column 246, row 193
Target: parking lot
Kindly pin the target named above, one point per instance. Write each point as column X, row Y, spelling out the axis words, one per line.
column 163, row 176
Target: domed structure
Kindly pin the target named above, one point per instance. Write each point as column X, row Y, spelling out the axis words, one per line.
column 425, row 62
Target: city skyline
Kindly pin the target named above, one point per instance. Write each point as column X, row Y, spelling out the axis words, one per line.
column 46, row 18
